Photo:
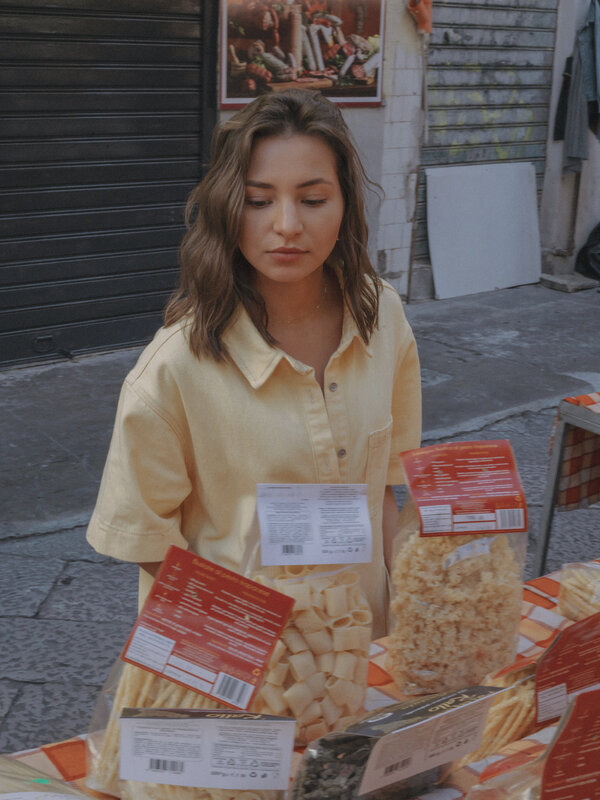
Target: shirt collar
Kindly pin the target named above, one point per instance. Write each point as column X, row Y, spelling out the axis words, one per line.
column 257, row 359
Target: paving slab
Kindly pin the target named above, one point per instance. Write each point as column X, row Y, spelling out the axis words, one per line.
column 59, row 651
column 43, row 713
column 99, row 592
column 68, row 545
column 56, row 424
column 26, row 582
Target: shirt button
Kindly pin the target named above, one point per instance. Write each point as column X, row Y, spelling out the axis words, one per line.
column 341, row 453
column 332, row 387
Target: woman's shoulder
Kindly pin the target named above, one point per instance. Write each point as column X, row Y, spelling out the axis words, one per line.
column 390, row 302
column 169, row 346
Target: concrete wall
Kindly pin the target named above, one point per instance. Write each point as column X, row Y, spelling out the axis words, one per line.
column 401, row 147
column 565, row 218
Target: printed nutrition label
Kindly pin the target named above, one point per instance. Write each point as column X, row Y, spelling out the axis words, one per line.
column 466, row 487
column 208, row 749
column 306, row 523
column 208, row 628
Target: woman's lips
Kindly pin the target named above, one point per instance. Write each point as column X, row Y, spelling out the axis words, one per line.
column 286, row 255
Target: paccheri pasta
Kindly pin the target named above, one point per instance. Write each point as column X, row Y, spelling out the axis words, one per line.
column 455, row 610
column 318, row 671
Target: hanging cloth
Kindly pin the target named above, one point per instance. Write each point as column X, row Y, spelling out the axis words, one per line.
column 583, row 102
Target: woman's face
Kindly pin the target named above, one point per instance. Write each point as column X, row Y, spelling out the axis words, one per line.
column 293, row 209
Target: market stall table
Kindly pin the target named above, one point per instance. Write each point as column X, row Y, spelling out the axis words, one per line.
column 540, row 624
column 574, row 470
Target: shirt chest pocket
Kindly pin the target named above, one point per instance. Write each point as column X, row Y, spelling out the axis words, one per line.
column 378, row 456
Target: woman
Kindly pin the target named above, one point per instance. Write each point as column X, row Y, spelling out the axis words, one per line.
column 283, row 359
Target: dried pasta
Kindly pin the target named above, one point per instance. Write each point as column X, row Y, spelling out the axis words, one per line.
column 309, row 661
column 137, row 688
column 327, row 648
column 579, row 593
column 455, row 611
column 511, row 716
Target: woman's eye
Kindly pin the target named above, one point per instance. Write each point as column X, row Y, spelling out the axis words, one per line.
column 314, row 201
column 256, row 202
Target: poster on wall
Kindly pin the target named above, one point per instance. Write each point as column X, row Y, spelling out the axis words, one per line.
column 333, row 46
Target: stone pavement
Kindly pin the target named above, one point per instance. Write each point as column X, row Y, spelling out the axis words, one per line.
column 494, row 366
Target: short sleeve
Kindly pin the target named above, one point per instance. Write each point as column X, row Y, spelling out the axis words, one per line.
column 406, row 406
column 144, row 484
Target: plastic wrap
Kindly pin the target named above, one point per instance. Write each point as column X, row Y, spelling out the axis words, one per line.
column 333, row 768
column 455, row 608
column 318, row 672
column 579, row 593
column 21, row 780
column 128, row 686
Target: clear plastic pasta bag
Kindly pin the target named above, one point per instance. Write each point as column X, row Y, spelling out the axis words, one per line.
column 455, row 607
column 20, row 780
column 579, row 593
column 522, row 783
column 318, row 671
column 128, row 686
column 137, row 790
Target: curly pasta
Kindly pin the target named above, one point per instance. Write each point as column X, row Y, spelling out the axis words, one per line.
column 455, row 611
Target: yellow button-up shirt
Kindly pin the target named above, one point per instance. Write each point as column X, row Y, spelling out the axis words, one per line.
column 193, row 437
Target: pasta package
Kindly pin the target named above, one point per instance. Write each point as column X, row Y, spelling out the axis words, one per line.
column 380, row 757
column 231, row 608
column 455, row 608
column 128, row 686
column 511, row 716
column 579, row 593
column 318, row 671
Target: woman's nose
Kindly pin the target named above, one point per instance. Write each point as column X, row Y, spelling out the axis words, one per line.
column 287, row 220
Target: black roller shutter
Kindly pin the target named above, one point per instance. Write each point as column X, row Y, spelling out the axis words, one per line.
column 107, row 109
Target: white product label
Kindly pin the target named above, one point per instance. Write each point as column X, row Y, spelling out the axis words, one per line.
column 480, row 547
column 314, row 523
column 150, row 649
column 552, row 702
column 208, row 752
column 426, row 745
column 436, row 519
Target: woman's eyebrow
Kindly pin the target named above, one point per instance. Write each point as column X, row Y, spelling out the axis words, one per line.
column 303, row 185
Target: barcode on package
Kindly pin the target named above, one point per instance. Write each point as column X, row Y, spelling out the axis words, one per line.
column 395, row 767
column 292, row 549
column 510, row 518
column 166, row 765
column 232, row 690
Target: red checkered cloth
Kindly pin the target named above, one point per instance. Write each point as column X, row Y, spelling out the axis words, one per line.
column 579, row 484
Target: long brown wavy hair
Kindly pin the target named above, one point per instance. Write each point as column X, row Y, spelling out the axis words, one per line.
column 215, row 277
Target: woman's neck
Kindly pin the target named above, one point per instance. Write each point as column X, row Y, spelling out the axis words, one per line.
column 294, row 303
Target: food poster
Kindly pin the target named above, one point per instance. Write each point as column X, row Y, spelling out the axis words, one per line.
column 333, row 46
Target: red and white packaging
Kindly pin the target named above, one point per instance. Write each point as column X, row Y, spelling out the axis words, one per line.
column 208, row 628
column 569, row 667
column 569, row 768
column 457, row 567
